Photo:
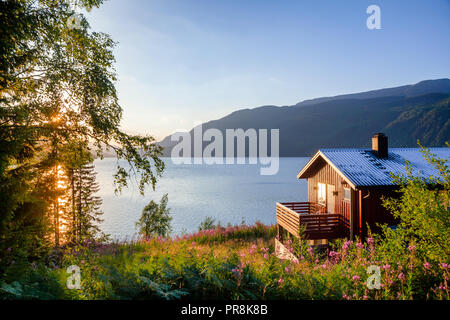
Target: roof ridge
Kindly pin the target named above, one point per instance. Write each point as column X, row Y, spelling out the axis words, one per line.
column 360, row 167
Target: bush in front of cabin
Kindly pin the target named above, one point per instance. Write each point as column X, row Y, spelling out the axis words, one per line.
column 420, row 242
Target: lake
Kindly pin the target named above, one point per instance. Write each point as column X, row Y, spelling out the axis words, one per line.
column 229, row 193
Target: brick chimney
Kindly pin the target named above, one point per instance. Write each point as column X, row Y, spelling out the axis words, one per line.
column 380, row 145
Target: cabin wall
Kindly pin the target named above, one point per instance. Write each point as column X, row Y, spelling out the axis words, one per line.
column 324, row 173
column 367, row 203
column 372, row 209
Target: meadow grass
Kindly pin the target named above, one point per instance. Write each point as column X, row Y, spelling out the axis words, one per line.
column 240, row 263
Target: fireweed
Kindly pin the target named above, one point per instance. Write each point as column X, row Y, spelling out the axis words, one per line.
column 239, row 263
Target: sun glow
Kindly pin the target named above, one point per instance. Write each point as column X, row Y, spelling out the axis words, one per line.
column 56, row 118
column 61, row 185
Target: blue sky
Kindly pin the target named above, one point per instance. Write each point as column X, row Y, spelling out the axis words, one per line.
column 185, row 61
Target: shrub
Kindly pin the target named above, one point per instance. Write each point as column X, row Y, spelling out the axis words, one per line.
column 423, row 212
column 208, row 223
column 155, row 219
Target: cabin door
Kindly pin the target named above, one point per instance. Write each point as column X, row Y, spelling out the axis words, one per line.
column 330, row 198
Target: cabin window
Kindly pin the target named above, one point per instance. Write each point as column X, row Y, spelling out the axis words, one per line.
column 347, row 194
column 321, row 193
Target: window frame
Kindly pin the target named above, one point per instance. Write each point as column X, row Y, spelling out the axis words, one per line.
column 349, row 199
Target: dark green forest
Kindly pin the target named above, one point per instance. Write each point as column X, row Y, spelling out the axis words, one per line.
column 405, row 114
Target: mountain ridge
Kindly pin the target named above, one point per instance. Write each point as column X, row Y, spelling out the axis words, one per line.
column 405, row 113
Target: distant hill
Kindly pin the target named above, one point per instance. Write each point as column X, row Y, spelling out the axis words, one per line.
column 408, row 91
column 405, row 114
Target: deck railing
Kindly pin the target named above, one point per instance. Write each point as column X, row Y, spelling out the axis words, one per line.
column 317, row 226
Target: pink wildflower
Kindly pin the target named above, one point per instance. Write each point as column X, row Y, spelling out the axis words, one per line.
column 266, row 256
column 356, row 277
column 370, row 241
column 333, row 254
column 412, row 248
column 253, row 249
column 427, row 265
column 347, row 244
column 287, row 269
column 238, row 270
column 359, row 245
column 386, row 267
column 280, row 281
column 401, row 276
column 443, row 265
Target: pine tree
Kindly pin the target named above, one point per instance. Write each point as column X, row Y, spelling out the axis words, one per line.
column 86, row 205
column 82, row 206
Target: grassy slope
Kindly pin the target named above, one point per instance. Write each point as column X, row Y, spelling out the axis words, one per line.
column 239, row 263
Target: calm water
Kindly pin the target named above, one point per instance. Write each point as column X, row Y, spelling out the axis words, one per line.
column 229, row 193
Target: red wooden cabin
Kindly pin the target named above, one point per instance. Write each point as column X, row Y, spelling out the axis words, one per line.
column 345, row 187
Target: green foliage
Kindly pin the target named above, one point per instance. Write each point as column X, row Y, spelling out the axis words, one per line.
column 221, row 234
column 177, row 269
column 86, row 205
column 241, row 267
column 22, row 281
column 422, row 210
column 155, row 219
column 57, row 102
column 207, row 223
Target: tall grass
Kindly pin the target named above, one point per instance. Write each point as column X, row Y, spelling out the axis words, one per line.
column 240, row 263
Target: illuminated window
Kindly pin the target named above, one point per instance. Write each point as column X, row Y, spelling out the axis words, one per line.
column 347, row 194
column 321, row 193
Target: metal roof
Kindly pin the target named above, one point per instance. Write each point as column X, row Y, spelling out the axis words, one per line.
column 360, row 167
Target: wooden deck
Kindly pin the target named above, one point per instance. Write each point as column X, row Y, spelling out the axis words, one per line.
column 318, row 224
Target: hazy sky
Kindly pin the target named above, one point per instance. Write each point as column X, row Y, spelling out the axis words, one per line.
column 185, row 61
